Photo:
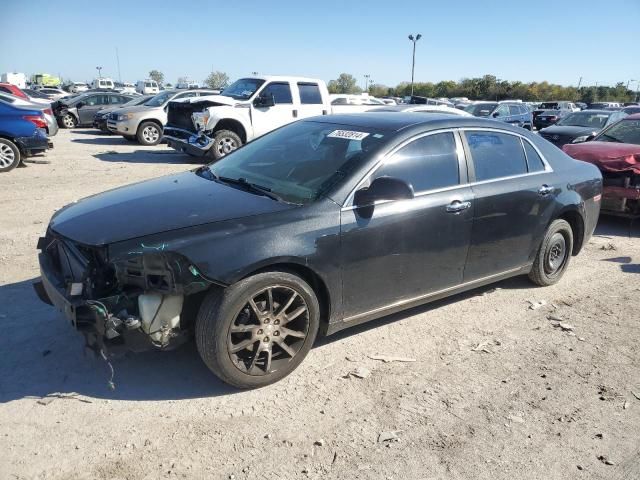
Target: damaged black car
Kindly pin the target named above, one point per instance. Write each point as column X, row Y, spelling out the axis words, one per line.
column 322, row 224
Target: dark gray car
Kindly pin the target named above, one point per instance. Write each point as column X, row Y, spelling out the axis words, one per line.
column 79, row 111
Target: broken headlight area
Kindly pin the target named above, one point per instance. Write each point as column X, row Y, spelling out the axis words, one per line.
column 138, row 300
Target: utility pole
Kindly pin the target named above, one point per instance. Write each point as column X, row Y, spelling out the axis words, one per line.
column 118, row 60
column 579, row 83
column 366, row 82
column 413, row 62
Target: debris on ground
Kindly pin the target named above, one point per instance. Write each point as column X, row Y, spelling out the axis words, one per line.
column 625, row 405
column 555, row 318
column 62, row 396
column 604, row 459
column 387, row 436
column 566, row 327
column 319, row 443
column 609, row 246
column 484, row 346
column 533, row 305
column 391, row 358
column 359, row 372
column 607, row 393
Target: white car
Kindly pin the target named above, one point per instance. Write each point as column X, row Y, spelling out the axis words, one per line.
column 422, row 109
column 147, row 87
column 53, row 93
column 103, row 83
column 78, row 87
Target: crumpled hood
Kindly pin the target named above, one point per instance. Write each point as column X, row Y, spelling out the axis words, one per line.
column 221, row 99
column 157, row 206
column 607, row 156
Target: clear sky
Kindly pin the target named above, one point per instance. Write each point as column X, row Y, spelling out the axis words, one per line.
column 558, row 41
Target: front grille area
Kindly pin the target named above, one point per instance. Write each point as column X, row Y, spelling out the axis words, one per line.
column 559, row 141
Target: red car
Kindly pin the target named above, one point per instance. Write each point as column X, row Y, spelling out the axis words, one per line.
column 616, row 152
column 13, row 90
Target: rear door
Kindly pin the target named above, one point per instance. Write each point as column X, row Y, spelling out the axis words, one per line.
column 398, row 251
column 310, row 100
column 265, row 119
column 514, row 195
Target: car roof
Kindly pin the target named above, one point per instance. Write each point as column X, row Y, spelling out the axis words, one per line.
column 268, row 78
column 403, row 120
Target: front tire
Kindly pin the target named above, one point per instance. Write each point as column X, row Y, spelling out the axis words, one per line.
column 68, row 121
column 9, row 155
column 258, row 330
column 149, row 133
column 224, row 142
column 554, row 254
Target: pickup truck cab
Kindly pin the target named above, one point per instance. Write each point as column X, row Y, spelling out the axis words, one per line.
column 215, row 125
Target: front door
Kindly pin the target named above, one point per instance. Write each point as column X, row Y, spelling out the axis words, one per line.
column 90, row 107
column 265, row 119
column 405, row 249
column 513, row 202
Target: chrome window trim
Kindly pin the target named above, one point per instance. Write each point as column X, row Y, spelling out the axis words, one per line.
column 461, row 157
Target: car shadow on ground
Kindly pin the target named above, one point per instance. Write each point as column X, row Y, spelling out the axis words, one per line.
column 148, row 156
column 91, row 131
column 103, row 140
column 609, row 226
column 42, row 354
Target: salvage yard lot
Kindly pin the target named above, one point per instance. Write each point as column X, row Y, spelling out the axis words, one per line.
column 497, row 389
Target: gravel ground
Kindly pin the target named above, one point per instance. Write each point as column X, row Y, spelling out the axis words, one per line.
column 496, row 391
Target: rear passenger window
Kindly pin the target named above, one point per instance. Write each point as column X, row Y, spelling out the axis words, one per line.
column 281, row 92
column 533, row 159
column 514, row 110
column 309, row 93
column 427, row 163
column 496, row 155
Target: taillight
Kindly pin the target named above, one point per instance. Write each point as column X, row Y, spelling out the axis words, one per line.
column 37, row 120
column 48, row 111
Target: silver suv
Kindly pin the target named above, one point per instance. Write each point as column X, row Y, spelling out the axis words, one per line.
column 145, row 123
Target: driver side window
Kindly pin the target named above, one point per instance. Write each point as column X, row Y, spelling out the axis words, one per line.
column 502, row 111
column 281, row 92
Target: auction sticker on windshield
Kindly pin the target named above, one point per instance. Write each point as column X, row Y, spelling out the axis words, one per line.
column 348, row 134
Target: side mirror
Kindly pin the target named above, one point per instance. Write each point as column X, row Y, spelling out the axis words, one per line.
column 495, row 114
column 264, row 101
column 79, row 104
column 383, row 188
column 590, row 137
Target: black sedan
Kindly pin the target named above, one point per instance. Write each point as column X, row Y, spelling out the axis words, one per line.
column 580, row 126
column 546, row 118
column 322, row 224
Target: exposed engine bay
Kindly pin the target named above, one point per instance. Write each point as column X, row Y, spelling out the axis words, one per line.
column 138, row 300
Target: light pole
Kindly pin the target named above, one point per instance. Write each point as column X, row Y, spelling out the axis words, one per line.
column 413, row 62
column 99, row 70
column 366, row 82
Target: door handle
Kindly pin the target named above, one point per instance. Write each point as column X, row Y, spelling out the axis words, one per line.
column 295, row 114
column 545, row 190
column 457, row 206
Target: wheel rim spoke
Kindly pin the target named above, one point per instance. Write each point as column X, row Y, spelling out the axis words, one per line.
column 295, row 314
column 287, row 332
column 287, row 349
column 242, row 328
column 255, row 308
column 241, row 346
column 288, row 304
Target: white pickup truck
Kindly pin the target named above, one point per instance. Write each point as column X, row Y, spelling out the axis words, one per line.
column 215, row 125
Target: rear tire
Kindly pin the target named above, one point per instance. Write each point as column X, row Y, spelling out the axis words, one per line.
column 10, row 156
column 258, row 330
column 554, row 254
column 149, row 133
column 224, row 142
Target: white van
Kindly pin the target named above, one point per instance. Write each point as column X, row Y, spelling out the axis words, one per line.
column 147, row 87
column 103, row 83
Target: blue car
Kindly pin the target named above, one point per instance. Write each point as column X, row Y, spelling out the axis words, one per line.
column 515, row 113
column 22, row 134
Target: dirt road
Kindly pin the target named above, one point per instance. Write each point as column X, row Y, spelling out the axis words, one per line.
column 496, row 391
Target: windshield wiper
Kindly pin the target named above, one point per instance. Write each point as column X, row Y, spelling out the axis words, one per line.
column 612, row 138
column 250, row 187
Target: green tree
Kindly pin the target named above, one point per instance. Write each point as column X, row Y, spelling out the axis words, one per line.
column 217, row 80
column 345, row 83
column 156, row 75
column 378, row 90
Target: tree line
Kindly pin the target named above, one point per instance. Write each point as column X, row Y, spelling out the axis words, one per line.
column 489, row 87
